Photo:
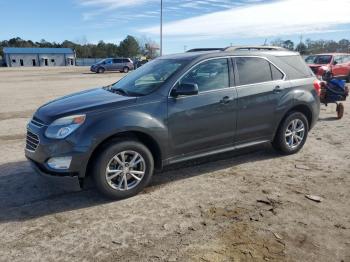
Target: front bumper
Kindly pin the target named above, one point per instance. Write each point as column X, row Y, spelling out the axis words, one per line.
column 49, row 148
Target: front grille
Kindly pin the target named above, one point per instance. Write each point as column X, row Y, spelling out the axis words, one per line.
column 32, row 141
column 35, row 121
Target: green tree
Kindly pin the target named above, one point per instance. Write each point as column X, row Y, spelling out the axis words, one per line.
column 129, row 47
column 301, row 48
column 288, row 44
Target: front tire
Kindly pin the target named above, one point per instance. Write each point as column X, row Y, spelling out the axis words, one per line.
column 292, row 133
column 123, row 169
column 101, row 70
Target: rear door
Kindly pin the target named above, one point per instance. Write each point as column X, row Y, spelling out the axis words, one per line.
column 260, row 85
column 117, row 64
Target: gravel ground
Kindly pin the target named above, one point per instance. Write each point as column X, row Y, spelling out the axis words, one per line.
column 243, row 206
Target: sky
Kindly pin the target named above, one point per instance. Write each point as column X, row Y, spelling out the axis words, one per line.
column 187, row 23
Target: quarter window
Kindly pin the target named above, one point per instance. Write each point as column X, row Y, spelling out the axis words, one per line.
column 276, row 74
column 209, row 75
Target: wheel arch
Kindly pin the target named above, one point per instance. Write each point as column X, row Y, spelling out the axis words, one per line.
column 302, row 108
column 139, row 136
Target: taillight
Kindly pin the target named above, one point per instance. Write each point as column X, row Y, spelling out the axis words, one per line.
column 317, row 86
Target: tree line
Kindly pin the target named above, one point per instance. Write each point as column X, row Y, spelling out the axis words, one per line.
column 314, row 46
column 129, row 47
column 134, row 47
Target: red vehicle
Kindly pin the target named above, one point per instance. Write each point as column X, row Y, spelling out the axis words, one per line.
column 338, row 64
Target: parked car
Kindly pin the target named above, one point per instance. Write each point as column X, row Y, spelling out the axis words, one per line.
column 141, row 62
column 172, row 109
column 337, row 64
column 113, row 64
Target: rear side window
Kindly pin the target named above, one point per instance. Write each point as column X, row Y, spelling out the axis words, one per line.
column 126, row 60
column 252, row 70
column 117, row 61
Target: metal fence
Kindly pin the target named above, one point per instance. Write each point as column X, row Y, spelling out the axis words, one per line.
column 87, row 61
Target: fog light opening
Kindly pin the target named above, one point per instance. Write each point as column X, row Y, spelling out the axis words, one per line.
column 59, row 162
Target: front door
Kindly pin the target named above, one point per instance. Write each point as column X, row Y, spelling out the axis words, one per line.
column 207, row 120
column 339, row 67
column 260, row 85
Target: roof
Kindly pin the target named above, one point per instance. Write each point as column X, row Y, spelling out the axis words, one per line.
column 208, row 54
column 331, row 54
column 37, row 50
column 205, row 49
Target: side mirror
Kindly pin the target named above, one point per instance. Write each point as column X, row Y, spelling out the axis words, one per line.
column 335, row 62
column 185, row 89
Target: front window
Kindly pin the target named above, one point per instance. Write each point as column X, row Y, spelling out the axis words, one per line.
column 209, row 75
column 148, row 78
column 319, row 59
column 105, row 61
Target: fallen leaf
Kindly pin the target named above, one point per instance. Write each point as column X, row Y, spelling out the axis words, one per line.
column 303, row 167
column 314, row 198
column 277, row 236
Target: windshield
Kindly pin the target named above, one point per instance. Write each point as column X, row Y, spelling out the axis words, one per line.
column 101, row 61
column 319, row 59
column 148, row 78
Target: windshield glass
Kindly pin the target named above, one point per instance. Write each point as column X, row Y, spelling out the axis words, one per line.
column 319, row 59
column 148, row 78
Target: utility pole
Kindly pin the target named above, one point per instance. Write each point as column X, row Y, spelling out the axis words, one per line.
column 161, row 27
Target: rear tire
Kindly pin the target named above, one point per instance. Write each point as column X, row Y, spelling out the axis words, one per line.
column 126, row 70
column 340, row 110
column 291, row 134
column 117, row 174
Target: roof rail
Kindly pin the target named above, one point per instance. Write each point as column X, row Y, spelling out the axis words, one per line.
column 204, row 49
column 253, row 48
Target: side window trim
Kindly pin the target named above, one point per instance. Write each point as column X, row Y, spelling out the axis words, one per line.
column 233, row 76
column 237, row 76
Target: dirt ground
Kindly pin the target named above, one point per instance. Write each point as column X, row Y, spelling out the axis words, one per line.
column 243, row 206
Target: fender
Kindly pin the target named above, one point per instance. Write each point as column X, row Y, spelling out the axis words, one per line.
column 301, row 98
column 146, row 118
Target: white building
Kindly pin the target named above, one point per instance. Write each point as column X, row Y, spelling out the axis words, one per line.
column 17, row 57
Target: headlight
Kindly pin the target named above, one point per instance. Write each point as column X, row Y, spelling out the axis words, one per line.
column 63, row 127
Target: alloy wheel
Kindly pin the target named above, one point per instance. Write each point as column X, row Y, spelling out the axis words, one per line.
column 294, row 134
column 125, row 170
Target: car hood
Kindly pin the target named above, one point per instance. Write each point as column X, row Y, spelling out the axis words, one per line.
column 82, row 102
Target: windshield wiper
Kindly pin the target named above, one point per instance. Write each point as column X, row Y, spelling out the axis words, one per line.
column 118, row 91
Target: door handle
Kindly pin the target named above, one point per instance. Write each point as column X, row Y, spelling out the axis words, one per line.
column 277, row 89
column 225, row 100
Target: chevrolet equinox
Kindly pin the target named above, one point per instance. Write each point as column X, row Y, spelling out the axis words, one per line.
column 172, row 109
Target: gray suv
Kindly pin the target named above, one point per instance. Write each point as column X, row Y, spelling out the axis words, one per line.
column 113, row 64
column 172, row 109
